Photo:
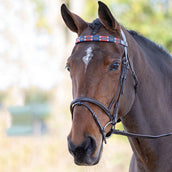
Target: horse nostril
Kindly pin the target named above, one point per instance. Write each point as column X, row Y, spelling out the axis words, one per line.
column 83, row 150
column 90, row 145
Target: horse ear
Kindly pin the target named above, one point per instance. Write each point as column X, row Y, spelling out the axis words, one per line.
column 74, row 22
column 107, row 18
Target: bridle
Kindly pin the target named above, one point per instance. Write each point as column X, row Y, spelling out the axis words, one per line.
column 125, row 66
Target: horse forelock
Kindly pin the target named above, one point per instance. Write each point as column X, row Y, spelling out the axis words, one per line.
column 95, row 25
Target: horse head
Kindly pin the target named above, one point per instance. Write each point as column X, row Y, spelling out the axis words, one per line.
column 96, row 68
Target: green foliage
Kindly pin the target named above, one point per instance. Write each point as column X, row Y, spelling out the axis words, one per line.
column 90, row 10
column 3, row 96
column 40, row 8
column 35, row 95
column 150, row 18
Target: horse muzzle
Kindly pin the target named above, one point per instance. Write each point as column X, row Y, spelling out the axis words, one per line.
column 84, row 153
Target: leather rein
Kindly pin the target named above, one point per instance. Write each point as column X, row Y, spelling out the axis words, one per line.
column 125, row 66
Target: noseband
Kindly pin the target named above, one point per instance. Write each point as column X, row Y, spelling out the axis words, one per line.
column 125, row 66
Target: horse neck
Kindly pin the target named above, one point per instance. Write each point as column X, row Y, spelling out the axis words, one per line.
column 150, row 113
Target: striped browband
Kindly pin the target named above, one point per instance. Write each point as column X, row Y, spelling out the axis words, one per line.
column 97, row 38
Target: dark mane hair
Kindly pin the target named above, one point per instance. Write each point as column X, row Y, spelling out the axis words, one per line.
column 95, row 25
column 148, row 43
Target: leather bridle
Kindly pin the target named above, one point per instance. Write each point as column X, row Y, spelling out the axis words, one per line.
column 83, row 101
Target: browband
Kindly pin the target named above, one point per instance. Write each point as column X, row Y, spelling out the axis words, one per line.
column 98, row 38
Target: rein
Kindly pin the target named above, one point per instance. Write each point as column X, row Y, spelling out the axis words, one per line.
column 82, row 101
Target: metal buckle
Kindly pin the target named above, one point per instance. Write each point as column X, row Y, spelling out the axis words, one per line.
column 109, row 134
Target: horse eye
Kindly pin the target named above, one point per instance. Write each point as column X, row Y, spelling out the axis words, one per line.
column 67, row 67
column 114, row 66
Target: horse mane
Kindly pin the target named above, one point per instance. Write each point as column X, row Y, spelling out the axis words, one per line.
column 95, row 25
column 148, row 43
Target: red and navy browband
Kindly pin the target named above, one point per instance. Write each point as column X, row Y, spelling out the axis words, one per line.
column 97, row 38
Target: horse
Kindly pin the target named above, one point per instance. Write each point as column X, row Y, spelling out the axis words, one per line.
column 119, row 75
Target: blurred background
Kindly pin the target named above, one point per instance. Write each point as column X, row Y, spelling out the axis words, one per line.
column 35, row 89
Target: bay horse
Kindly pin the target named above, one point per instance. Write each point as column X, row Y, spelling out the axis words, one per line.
column 119, row 75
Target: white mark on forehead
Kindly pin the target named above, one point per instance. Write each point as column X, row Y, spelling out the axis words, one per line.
column 86, row 59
